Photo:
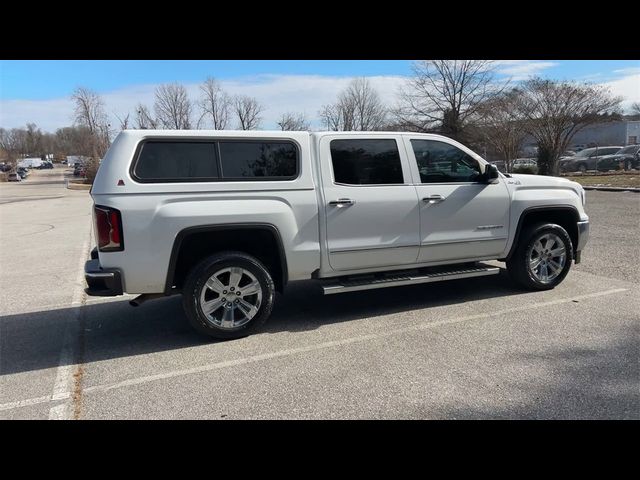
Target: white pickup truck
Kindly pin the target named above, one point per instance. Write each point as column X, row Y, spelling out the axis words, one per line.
column 228, row 218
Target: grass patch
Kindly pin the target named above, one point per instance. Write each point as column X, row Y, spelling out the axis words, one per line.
column 621, row 180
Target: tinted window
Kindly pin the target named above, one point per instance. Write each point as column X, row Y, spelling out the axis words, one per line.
column 177, row 161
column 440, row 162
column 608, row 151
column 366, row 162
column 630, row 149
column 587, row 152
column 258, row 160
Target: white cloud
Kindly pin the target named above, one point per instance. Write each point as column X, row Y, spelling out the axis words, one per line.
column 628, row 71
column 522, row 69
column 627, row 87
column 278, row 94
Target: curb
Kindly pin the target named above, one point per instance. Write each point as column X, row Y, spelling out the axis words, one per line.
column 77, row 186
column 613, row 189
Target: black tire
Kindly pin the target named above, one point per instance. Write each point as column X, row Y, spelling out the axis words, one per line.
column 199, row 275
column 518, row 265
column 582, row 168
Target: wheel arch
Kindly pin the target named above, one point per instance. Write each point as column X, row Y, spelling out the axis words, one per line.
column 567, row 216
column 212, row 238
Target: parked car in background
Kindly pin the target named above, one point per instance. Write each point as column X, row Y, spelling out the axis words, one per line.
column 14, row 177
column 525, row 165
column 586, row 159
column 500, row 165
column 23, row 172
column 567, row 154
column 626, row 158
column 44, row 165
column 5, row 167
column 525, row 162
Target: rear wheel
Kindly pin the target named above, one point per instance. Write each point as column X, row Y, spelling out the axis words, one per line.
column 582, row 168
column 228, row 295
column 542, row 258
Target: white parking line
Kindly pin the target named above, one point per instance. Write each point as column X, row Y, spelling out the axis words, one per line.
column 309, row 348
column 63, row 384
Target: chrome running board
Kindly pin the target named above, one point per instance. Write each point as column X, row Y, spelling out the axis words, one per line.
column 407, row 277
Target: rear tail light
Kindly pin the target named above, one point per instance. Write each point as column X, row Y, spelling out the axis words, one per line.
column 108, row 229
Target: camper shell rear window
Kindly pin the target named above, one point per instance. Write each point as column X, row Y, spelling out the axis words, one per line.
column 189, row 160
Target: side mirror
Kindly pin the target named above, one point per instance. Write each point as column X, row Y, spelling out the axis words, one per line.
column 491, row 174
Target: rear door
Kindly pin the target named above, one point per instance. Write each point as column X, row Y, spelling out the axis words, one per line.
column 461, row 217
column 372, row 216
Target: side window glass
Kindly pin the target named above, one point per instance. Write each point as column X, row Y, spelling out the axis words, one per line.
column 366, row 161
column 440, row 162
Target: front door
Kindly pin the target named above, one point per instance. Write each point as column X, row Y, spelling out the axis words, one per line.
column 372, row 215
column 461, row 217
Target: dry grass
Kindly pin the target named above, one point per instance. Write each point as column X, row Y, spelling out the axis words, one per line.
column 626, row 179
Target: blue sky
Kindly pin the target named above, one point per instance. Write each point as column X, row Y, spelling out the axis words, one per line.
column 38, row 91
column 30, row 79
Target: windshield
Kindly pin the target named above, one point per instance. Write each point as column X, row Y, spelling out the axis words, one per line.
column 609, row 150
column 586, row 152
column 630, row 149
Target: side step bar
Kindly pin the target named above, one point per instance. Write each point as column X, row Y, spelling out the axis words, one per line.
column 408, row 277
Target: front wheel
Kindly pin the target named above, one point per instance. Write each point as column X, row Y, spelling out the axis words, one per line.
column 228, row 295
column 542, row 258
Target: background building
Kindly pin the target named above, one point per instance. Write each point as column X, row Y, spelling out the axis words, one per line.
column 625, row 132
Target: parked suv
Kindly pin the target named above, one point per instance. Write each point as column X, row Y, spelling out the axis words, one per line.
column 626, row 158
column 228, row 218
column 587, row 159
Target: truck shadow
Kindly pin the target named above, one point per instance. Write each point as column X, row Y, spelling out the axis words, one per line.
column 32, row 341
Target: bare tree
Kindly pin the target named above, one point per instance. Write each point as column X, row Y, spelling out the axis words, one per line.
column 89, row 109
column 173, row 107
column 89, row 113
column 248, row 110
column 293, row 121
column 124, row 121
column 368, row 111
column 34, row 139
column 73, row 141
column 445, row 95
column 501, row 126
column 13, row 142
column 331, row 116
column 635, row 108
column 553, row 112
column 358, row 108
column 144, row 119
column 214, row 104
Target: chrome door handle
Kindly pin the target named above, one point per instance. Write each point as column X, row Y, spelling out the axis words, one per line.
column 342, row 202
column 434, row 198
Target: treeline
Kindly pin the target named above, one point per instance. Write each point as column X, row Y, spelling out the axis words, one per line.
column 462, row 99
column 31, row 141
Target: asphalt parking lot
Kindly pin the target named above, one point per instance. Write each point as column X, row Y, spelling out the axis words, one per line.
column 476, row 348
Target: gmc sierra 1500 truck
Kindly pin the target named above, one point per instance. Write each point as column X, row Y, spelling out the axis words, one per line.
column 228, row 218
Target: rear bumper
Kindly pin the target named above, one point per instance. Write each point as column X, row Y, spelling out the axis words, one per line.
column 101, row 282
column 583, row 237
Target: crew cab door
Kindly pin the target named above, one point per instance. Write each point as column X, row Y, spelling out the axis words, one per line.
column 461, row 216
column 371, row 207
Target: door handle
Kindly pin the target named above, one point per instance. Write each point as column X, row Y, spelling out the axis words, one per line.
column 342, row 202
column 434, row 198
